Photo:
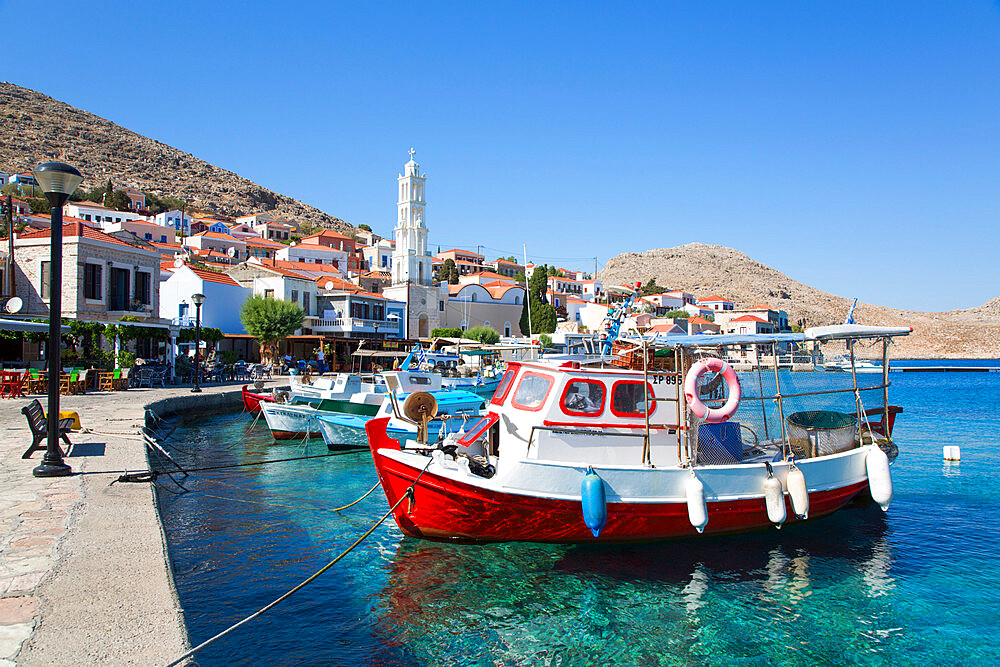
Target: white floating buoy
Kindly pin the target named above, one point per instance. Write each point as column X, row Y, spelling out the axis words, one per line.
column 879, row 477
column 798, row 492
column 697, row 509
column 952, row 453
column 774, row 498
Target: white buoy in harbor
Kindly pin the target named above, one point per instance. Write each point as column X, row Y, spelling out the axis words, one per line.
column 879, row 477
column 697, row 509
column 774, row 498
column 952, row 453
column 798, row 492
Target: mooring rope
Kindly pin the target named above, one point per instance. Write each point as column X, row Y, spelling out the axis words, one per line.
column 149, row 475
column 310, row 579
column 294, row 507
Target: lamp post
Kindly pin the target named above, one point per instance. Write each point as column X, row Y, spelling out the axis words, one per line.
column 198, row 300
column 58, row 181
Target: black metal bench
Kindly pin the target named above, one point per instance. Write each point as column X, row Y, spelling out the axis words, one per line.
column 39, row 428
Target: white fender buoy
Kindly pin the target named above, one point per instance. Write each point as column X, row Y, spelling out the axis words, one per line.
column 697, row 509
column 774, row 498
column 879, row 477
column 952, row 453
column 798, row 492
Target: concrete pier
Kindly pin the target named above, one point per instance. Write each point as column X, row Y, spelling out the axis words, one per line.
column 84, row 574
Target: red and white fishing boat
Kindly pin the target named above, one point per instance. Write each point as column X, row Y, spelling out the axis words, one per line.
column 252, row 401
column 673, row 445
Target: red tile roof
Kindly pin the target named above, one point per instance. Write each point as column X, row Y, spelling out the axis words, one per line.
column 762, row 306
column 216, row 235
column 749, row 318
column 714, row 297
column 334, row 283
column 213, row 277
column 77, row 230
column 698, row 319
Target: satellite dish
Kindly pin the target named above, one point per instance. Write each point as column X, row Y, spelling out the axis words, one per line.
column 231, row 252
column 419, row 406
column 329, row 284
column 14, row 304
column 178, row 263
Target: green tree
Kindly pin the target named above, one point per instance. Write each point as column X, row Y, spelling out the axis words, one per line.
column 678, row 314
column 270, row 320
column 449, row 272
column 39, row 205
column 543, row 315
column 446, row 332
column 365, row 227
column 485, row 335
column 545, row 341
column 117, row 200
column 650, row 288
column 306, row 228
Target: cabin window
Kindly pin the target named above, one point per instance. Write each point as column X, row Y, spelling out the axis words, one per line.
column 532, row 391
column 416, row 379
column 503, row 387
column 583, row 398
column 627, row 399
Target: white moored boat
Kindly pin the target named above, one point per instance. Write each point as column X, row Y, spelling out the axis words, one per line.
column 621, row 454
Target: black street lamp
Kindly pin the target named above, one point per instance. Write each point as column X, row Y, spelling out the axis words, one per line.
column 198, row 300
column 58, row 181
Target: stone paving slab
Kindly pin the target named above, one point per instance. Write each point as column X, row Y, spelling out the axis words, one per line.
column 84, row 574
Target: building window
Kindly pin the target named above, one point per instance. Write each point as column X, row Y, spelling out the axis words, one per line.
column 149, row 237
column 163, row 238
column 295, row 296
column 45, row 279
column 143, row 282
column 441, row 306
column 305, row 302
column 269, row 294
column 92, row 281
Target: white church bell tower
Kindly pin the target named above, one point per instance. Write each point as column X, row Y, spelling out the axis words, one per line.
column 411, row 263
column 412, row 279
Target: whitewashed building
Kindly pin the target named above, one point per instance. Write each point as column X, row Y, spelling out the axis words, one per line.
column 224, row 298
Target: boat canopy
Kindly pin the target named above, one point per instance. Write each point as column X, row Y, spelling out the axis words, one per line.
column 834, row 332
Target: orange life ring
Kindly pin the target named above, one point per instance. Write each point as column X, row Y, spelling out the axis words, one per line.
column 702, row 411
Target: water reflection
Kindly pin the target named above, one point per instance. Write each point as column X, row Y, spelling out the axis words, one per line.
column 514, row 600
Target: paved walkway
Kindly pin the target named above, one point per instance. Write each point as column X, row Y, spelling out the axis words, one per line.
column 84, row 575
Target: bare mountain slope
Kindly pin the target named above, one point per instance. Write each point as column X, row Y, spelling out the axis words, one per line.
column 706, row 269
column 35, row 128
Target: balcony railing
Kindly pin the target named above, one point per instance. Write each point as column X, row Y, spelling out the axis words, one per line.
column 348, row 324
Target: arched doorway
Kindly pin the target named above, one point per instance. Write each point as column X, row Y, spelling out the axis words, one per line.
column 422, row 328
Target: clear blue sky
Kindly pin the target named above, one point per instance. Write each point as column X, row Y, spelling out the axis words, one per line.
column 854, row 146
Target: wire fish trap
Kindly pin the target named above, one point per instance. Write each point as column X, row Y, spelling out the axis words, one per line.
column 820, row 432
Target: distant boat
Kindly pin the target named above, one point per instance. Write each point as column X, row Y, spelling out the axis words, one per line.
column 843, row 364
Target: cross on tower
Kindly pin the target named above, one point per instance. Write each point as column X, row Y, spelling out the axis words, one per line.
column 412, row 152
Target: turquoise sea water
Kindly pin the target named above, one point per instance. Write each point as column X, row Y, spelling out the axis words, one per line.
column 916, row 585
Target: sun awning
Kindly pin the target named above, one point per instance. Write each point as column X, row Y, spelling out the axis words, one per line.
column 24, row 325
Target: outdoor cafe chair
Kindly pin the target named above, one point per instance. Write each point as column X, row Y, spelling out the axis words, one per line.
column 110, row 380
column 10, row 384
column 144, row 377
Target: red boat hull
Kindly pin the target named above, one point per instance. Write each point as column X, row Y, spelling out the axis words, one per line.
column 251, row 401
column 444, row 509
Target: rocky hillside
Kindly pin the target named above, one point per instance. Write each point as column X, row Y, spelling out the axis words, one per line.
column 707, row 269
column 35, row 128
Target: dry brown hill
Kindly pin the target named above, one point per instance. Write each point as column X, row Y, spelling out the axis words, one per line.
column 35, row 128
column 707, row 269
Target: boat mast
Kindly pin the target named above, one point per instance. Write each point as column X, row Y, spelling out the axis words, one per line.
column 527, row 292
